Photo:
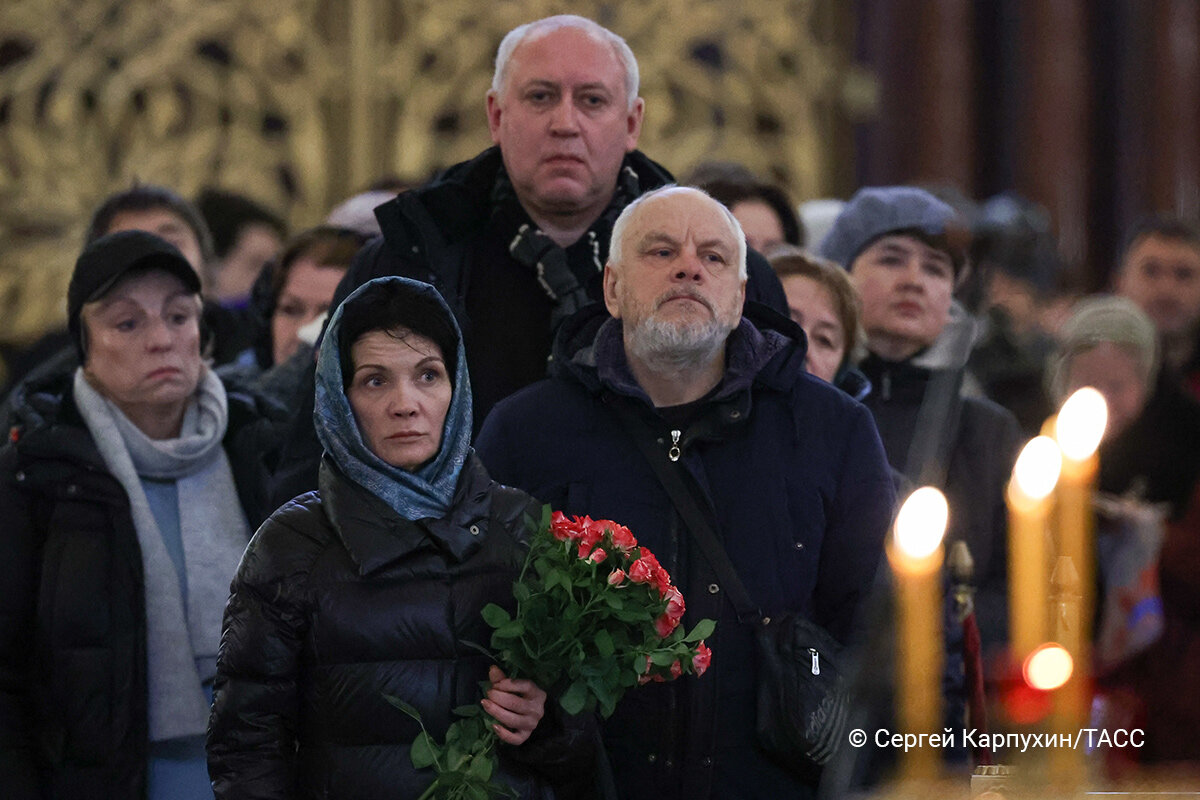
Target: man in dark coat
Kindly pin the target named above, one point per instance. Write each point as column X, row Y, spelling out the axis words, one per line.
column 515, row 239
column 789, row 471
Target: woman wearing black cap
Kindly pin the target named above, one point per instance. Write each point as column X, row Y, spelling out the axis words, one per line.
column 122, row 529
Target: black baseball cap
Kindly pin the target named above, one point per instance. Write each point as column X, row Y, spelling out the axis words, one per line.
column 109, row 258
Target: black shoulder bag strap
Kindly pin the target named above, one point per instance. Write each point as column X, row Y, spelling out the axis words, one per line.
column 689, row 510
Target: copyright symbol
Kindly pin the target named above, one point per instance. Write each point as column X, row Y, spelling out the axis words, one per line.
column 858, row 737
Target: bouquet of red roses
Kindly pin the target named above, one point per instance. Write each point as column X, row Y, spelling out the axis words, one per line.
column 596, row 615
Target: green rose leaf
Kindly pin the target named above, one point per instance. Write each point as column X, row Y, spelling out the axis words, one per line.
column 481, row 767
column 424, row 751
column 575, row 698
column 494, row 615
column 511, row 628
column 703, row 630
column 662, row 658
column 403, row 706
column 604, row 643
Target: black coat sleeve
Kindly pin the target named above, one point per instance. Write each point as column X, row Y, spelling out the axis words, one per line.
column 19, row 570
column 252, row 732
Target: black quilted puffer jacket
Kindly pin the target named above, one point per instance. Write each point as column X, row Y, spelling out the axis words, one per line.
column 338, row 602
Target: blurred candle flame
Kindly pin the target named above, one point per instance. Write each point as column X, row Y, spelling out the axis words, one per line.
column 1080, row 424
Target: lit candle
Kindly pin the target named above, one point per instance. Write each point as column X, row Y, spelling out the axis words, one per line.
column 1029, row 502
column 1078, row 429
column 915, row 553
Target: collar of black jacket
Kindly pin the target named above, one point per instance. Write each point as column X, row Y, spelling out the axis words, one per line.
column 376, row 536
column 766, row 348
column 458, row 200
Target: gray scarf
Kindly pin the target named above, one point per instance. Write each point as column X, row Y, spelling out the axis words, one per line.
column 214, row 533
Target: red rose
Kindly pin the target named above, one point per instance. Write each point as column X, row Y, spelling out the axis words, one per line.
column 560, row 526
column 676, row 669
column 565, row 528
column 645, row 676
column 616, row 577
column 701, row 659
column 597, row 555
column 591, row 534
column 641, row 571
column 649, row 558
column 622, row 538
column 664, row 625
column 675, row 604
column 661, row 581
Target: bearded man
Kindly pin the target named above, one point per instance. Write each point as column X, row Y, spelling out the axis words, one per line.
column 789, row 472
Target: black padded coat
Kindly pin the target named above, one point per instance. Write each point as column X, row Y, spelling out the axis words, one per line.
column 340, row 601
column 73, row 700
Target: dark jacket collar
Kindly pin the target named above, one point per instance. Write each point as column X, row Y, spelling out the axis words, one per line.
column 376, row 536
column 766, row 347
column 458, row 200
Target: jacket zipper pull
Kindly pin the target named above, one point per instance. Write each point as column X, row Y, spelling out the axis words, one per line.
column 887, row 386
column 674, row 452
column 816, row 662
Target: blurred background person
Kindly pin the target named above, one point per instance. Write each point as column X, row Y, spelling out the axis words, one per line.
column 764, row 210
column 124, row 524
column 1017, row 274
column 821, row 300
column 1151, row 447
column 246, row 236
column 293, row 295
column 1148, row 528
column 1160, row 271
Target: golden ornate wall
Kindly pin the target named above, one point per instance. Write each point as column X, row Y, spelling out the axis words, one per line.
column 299, row 103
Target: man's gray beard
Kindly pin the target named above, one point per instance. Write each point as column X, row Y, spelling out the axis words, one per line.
column 666, row 346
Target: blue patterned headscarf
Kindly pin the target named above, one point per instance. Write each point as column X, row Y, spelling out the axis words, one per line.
column 428, row 491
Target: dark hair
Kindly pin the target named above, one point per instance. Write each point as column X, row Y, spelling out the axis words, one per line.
column 227, row 213
column 149, row 197
column 729, row 191
column 1165, row 226
column 794, row 261
column 392, row 307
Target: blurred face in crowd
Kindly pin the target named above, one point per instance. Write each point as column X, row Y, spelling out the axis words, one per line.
column 906, row 288
column 306, row 295
column 256, row 245
column 760, row 223
column 812, row 307
column 143, row 349
column 165, row 224
column 1162, row 276
column 400, row 393
column 679, row 286
column 563, row 124
column 1113, row 371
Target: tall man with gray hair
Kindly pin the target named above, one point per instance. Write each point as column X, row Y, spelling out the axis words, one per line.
column 787, row 471
column 516, row 238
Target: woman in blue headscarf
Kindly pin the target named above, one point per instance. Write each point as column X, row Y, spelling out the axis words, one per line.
column 372, row 585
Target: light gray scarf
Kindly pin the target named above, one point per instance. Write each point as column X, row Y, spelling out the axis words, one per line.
column 214, row 533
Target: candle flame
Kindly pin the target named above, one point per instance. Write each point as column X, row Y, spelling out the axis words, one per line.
column 1048, row 667
column 921, row 523
column 1038, row 467
column 1081, row 423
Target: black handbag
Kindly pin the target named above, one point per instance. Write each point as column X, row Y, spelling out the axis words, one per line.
column 802, row 704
